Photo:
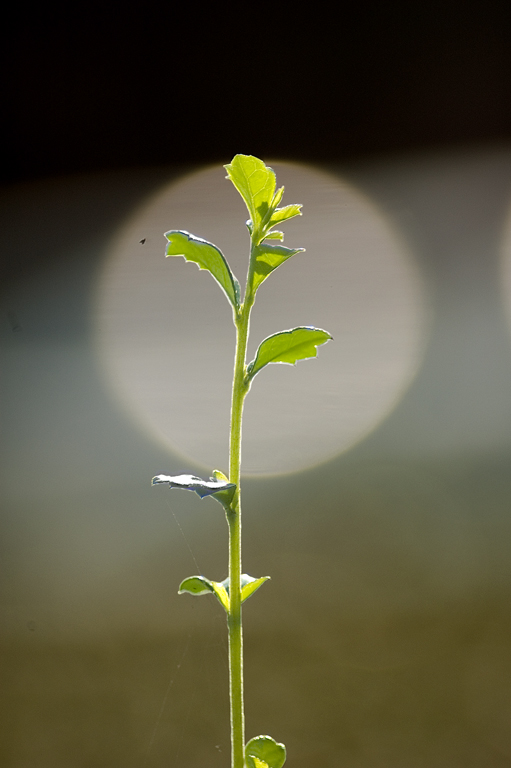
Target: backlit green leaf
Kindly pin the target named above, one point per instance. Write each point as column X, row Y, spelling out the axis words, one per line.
column 196, row 585
column 282, row 214
column 255, row 182
column 288, row 347
column 267, row 258
column 221, row 490
column 200, row 585
column 249, row 585
column 274, row 235
column 277, row 197
column 208, row 257
column 217, row 474
column 259, row 763
column 221, row 593
column 264, row 750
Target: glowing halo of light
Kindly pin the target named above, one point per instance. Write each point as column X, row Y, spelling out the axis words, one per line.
column 166, row 339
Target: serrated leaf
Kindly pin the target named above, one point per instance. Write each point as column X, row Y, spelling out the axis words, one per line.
column 265, row 750
column 220, row 490
column 206, row 256
column 255, row 182
column 283, row 214
column 288, row 347
column 267, row 258
column 249, row 585
column 274, row 235
column 200, row 585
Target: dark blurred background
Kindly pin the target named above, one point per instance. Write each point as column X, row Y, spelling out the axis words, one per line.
column 384, row 637
column 92, row 86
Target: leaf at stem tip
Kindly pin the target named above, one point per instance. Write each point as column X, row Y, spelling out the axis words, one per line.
column 206, row 256
column 255, row 182
column 288, row 347
column 267, row 258
column 264, row 751
column 220, row 489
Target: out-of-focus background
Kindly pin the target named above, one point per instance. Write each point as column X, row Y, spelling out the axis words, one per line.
column 377, row 491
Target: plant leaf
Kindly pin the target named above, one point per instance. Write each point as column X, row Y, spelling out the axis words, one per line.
column 221, row 490
column 288, row 347
column 196, row 585
column 249, row 585
column 277, row 197
column 268, row 258
column 259, row 763
column 200, row 585
column 255, row 182
column 222, row 595
column 274, row 235
column 217, row 474
column 223, row 496
column 282, row 214
column 265, row 750
column 208, row 257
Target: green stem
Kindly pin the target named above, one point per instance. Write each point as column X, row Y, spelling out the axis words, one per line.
column 234, row 619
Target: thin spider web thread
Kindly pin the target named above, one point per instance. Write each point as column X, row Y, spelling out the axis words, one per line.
column 162, row 708
column 171, row 682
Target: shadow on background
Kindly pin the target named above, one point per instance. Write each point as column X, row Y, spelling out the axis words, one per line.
column 383, row 638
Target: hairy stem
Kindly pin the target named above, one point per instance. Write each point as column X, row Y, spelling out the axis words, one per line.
column 234, row 619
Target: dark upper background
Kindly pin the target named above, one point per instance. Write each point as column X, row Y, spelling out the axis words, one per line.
column 99, row 86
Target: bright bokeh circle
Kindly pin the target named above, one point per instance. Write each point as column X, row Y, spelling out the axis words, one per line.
column 166, row 338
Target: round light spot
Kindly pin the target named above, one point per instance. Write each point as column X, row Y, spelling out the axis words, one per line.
column 166, row 336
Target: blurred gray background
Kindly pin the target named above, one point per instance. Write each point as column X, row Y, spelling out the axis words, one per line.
column 383, row 638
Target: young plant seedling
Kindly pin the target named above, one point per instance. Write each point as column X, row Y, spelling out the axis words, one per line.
column 256, row 184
